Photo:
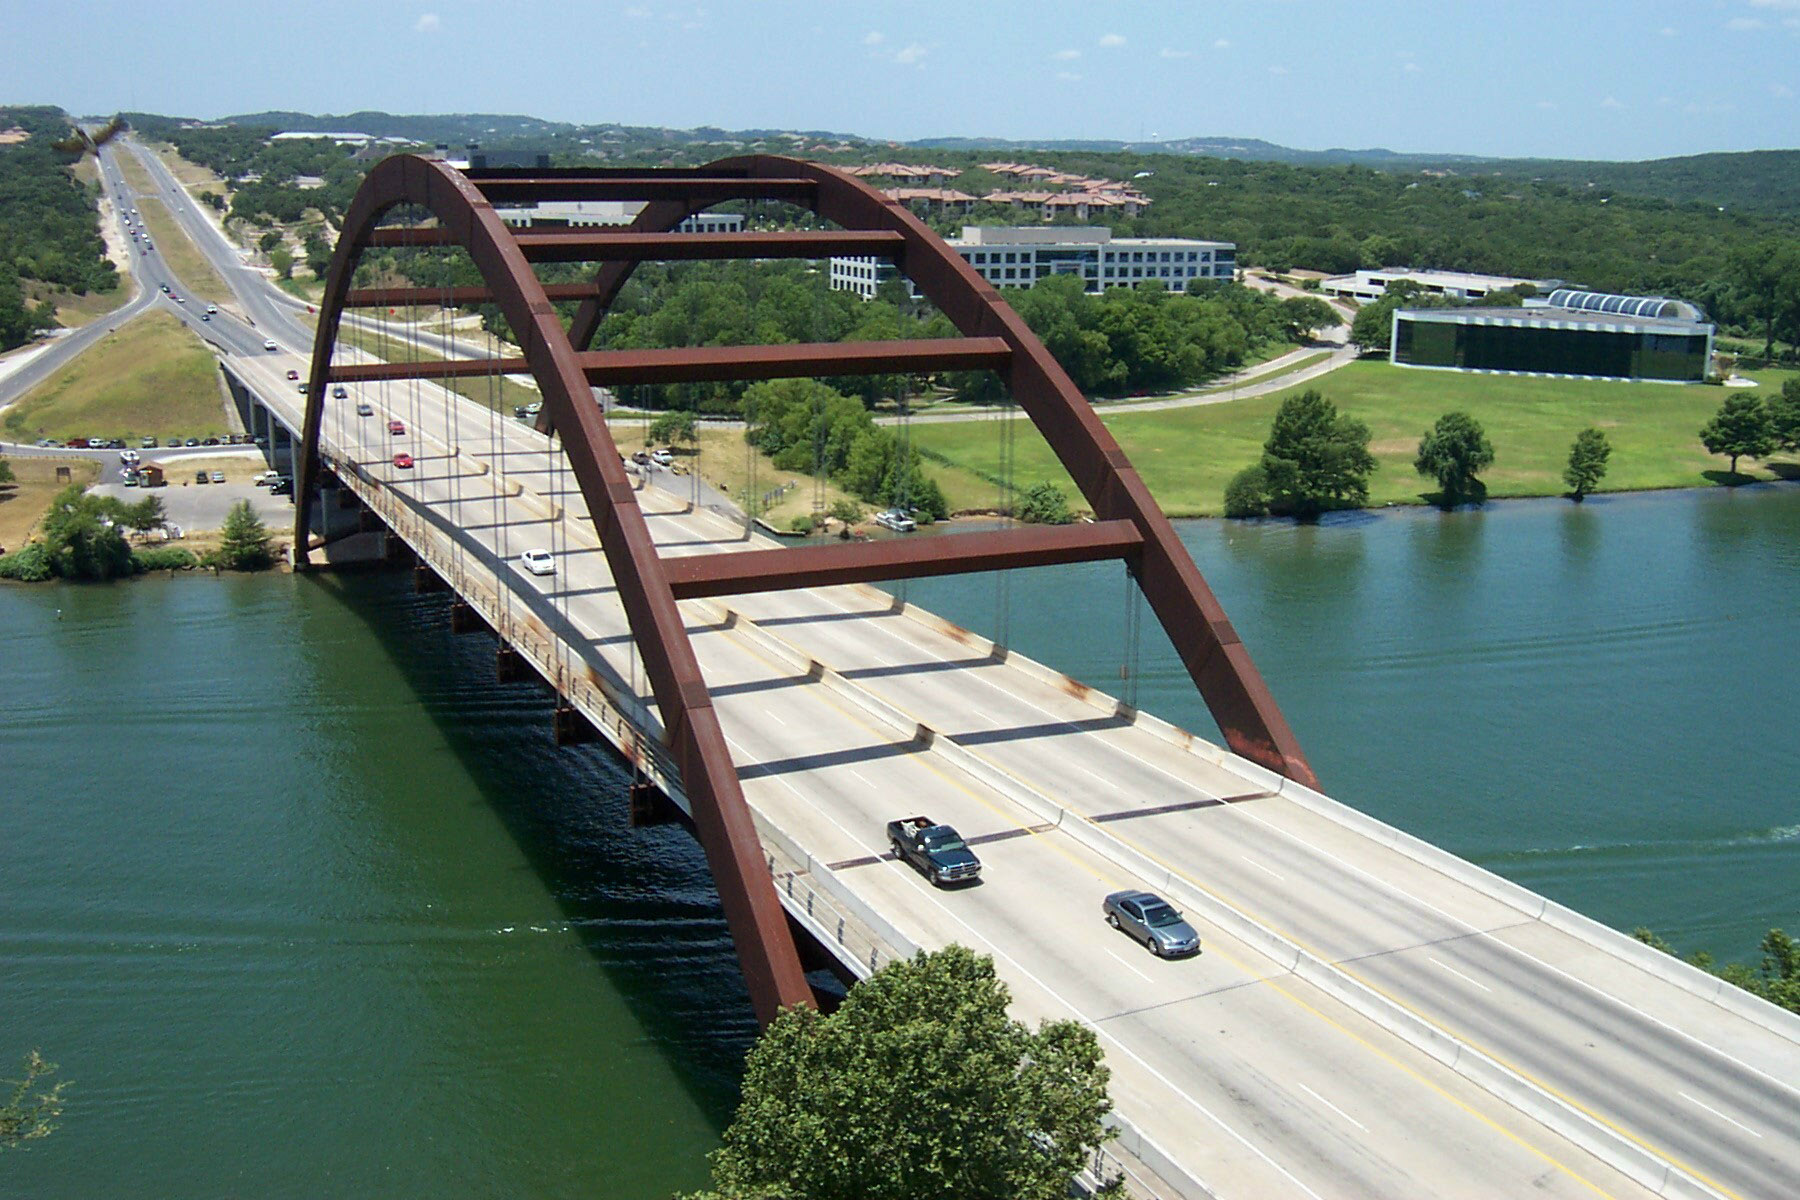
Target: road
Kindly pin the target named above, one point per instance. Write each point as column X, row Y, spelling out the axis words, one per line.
column 1264, row 1079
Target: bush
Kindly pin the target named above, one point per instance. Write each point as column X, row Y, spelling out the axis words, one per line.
column 801, row 523
column 1247, row 495
column 847, row 511
column 30, row 563
column 163, row 558
column 1044, row 504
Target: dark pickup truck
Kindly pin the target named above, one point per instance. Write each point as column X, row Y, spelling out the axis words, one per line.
column 938, row 851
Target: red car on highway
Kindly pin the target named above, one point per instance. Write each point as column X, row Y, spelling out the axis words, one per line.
column 403, row 460
column 396, row 427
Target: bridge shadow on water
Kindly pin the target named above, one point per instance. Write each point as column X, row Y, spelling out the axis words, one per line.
column 640, row 901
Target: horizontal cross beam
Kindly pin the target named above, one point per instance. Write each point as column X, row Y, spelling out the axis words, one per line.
column 701, row 575
column 601, row 244
column 693, row 189
column 701, row 364
column 406, row 297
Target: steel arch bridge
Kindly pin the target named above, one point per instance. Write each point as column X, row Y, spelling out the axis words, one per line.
column 1128, row 524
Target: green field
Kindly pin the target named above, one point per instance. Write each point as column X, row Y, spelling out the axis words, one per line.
column 152, row 377
column 1186, row 455
column 192, row 271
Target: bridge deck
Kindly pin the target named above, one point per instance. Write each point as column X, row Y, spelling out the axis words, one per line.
column 1349, row 1029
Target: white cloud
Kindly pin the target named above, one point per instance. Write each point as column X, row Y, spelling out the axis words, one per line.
column 1278, row 70
column 427, row 23
column 1781, row 91
column 1667, row 31
column 1412, row 68
column 1112, row 39
column 1169, row 52
column 1547, row 105
column 874, row 37
column 638, row 12
column 1222, row 44
column 1066, row 55
column 1664, row 101
column 1612, row 102
column 1707, row 110
column 912, row 55
column 1744, row 25
column 1068, row 77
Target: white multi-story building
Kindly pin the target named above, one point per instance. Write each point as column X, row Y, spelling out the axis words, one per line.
column 1019, row 256
column 607, row 212
column 1367, row 286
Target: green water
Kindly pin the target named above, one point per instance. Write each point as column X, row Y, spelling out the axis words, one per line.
column 306, row 905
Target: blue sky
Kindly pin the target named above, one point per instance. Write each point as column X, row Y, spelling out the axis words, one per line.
column 1553, row 78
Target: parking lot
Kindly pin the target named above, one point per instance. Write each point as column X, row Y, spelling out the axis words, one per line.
column 196, row 506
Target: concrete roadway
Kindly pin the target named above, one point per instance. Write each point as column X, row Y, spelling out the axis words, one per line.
column 1259, row 1083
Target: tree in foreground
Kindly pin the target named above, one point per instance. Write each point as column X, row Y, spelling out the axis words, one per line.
column 28, row 1111
column 1315, row 459
column 6, row 471
column 1783, row 409
column 244, row 540
column 1453, row 451
column 919, row 1085
column 1587, row 463
column 1044, row 504
column 1740, row 429
column 82, row 538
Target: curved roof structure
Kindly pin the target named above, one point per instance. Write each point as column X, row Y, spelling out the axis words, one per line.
column 1654, row 307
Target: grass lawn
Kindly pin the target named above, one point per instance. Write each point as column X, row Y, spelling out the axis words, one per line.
column 193, row 177
column 195, row 275
column 151, row 377
column 74, row 311
column 723, row 461
column 1187, row 455
column 28, row 497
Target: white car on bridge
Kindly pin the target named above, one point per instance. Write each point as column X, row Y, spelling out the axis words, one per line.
column 538, row 562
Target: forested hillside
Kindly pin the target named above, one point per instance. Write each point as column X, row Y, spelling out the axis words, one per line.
column 49, row 229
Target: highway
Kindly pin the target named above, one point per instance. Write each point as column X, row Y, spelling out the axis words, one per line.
column 1261, row 1075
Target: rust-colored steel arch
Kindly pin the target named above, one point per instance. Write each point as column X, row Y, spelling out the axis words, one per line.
column 1190, row 613
column 1130, row 525
column 765, row 947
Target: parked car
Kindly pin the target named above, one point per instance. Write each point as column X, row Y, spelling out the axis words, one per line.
column 201, row 477
column 661, row 458
column 403, row 460
column 641, row 458
column 396, row 427
column 538, row 562
column 301, row 387
column 191, row 442
column 283, row 486
column 128, row 478
column 218, row 477
column 211, row 441
column 1150, row 919
column 938, row 851
column 364, row 409
column 148, row 443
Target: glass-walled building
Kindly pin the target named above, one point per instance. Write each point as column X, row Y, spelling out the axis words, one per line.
column 1589, row 342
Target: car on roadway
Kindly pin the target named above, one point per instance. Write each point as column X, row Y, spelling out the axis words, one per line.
column 538, row 562
column 937, row 851
column 340, row 392
column 364, row 409
column 206, row 316
column 269, row 345
column 128, row 456
column 165, row 289
column 212, row 308
column 641, row 458
column 293, row 374
column 396, row 427
column 218, row 477
column 403, row 460
column 301, row 386
column 1149, row 919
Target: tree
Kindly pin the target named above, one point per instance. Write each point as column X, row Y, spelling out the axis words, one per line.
column 1452, row 451
column 1767, row 274
column 6, row 471
column 1315, row 458
column 1302, row 316
column 919, row 1085
column 1587, row 462
column 282, row 259
column 674, row 426
column 269, row 240
column 1784, row 415
column 28, row 1115
column 144, row 515
column 81, row 536
column 1373, row 326
column 1247, row 495
column 1044, row 504
column 244, row 541
column 1740, row 429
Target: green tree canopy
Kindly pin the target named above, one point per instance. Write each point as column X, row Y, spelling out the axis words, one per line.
column 1783, row 409
column 1453, row 451
column 674, row 426
column 920, row 1085
column 1303, row 316
column 1315, row 459
column 244, row 541
column 1587, row 462
column 1740, row 429
column 1044, row 504
column 82, row 537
